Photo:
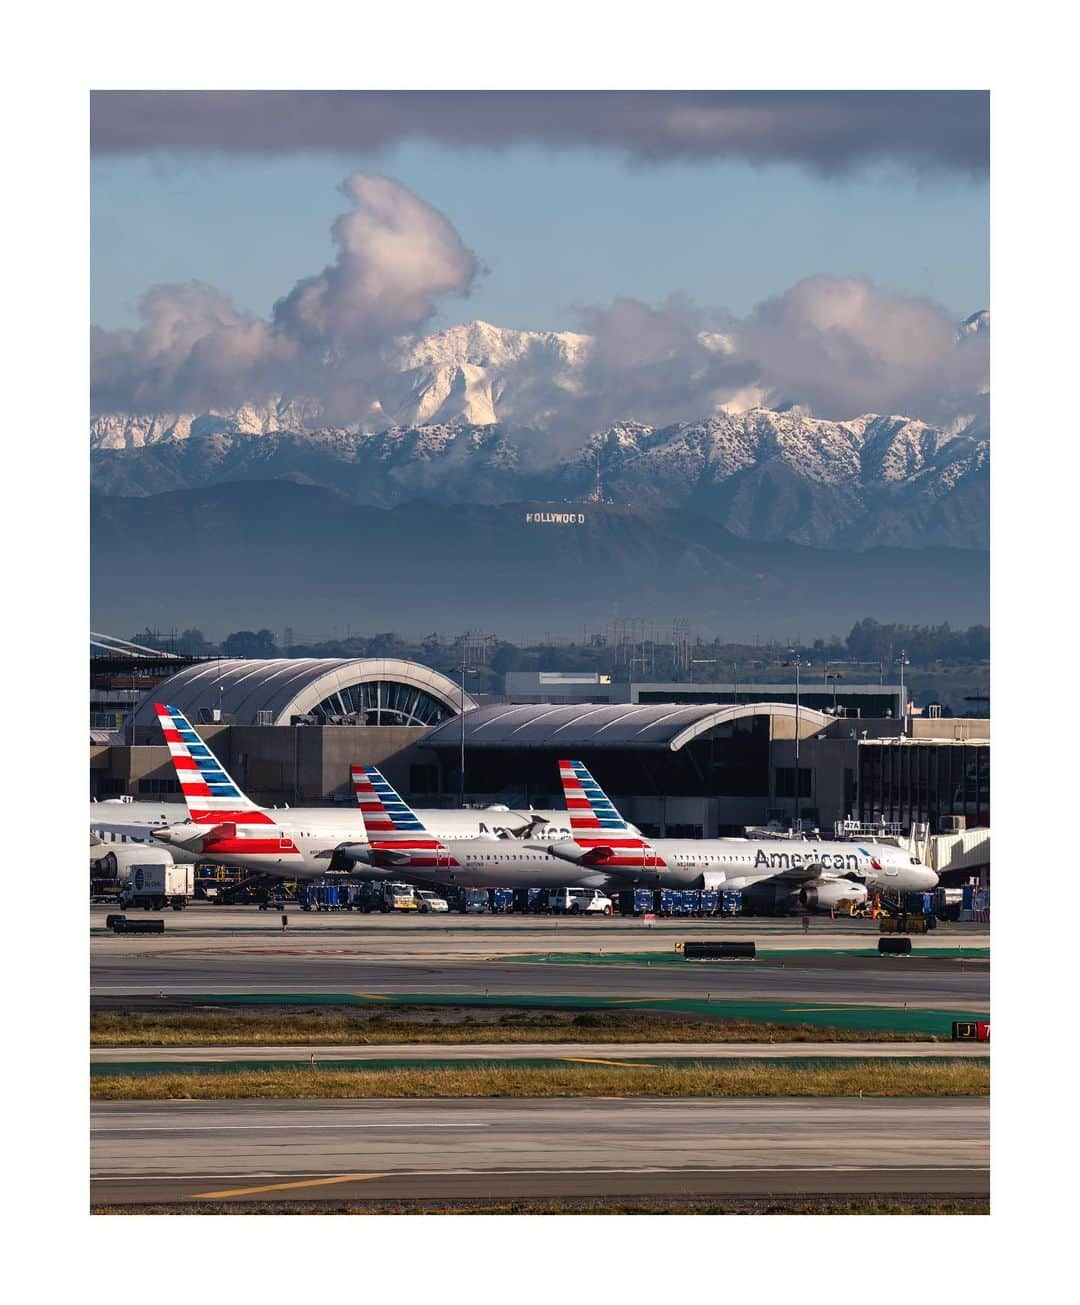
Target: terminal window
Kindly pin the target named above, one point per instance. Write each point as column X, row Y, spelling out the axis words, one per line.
column 785, row 782
column 158, row 786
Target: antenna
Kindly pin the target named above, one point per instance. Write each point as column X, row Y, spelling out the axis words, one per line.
column 597, row 495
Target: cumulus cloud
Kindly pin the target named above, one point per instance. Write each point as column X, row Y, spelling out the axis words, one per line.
column 844, row 346
column 654, row 363
column 396, row 257
column 826, row 131
column 339, row 341
column 840, row 347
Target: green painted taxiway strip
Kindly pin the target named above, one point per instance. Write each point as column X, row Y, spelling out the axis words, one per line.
column 792, row 954
column 841, row 1015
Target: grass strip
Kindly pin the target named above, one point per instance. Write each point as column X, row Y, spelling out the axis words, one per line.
column 859, row 1078
column 325, row 1027
column 138, row 1069
column 585, row 1205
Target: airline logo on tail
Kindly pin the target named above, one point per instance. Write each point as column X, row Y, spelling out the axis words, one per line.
column 594, row 821
column 590, row 809
column 391, row 823
column 211, row 794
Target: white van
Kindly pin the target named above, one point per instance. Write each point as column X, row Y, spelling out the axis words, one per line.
column 427, row 901
column 580, row 901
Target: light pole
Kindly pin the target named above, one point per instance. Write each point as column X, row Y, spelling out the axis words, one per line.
column 834, row 676
column 798, row 663
column 903, row 660
column 464, row 670
column 700, row 661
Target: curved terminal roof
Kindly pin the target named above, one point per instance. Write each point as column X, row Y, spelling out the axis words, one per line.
column 667, row 726
column 285, row 687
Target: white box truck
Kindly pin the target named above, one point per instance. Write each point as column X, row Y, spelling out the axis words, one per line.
column 155, row 886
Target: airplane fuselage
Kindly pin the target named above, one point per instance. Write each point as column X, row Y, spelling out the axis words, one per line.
column 666, row 863
column 298, row 843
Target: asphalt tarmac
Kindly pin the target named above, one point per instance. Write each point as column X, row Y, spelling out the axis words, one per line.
column 399, row 933
column 146, row 1152
column 151, row 967
column 116, row 1058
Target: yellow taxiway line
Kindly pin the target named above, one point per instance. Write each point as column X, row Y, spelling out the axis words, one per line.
column 282, row 1187
column 621, row 1064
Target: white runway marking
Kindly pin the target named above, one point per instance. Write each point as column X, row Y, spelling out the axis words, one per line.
column 502, row 1173
column 260, row 1128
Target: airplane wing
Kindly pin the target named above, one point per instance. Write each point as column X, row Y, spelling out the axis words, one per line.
column 575, row 853
column 800, row 873
column 368, row 855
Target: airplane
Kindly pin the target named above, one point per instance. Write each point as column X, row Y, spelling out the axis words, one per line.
column 220, row 824
column 604, row 851
column 400, row 844
column 818, row 873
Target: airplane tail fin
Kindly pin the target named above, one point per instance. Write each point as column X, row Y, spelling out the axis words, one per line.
column 387, row 817
column 211, row 794
column 592, row 813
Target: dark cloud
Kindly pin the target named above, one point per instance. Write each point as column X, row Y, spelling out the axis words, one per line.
column 827, row 131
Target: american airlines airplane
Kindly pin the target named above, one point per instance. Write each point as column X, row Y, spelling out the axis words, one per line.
column 218, row 823
column 604, row 851
column 821, row 873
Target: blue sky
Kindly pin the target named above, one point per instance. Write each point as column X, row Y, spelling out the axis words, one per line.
column 553, row 228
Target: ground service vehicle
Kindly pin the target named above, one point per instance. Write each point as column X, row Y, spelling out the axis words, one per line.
column 156, row 886
column 580, row 901
column 398, row 897
column 470, row 901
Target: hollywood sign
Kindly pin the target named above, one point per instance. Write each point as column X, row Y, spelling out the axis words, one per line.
column 555, row 518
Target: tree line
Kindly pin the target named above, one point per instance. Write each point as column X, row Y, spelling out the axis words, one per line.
column 869, row 643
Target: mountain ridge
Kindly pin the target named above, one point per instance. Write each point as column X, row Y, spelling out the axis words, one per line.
column 449, row 565
column 763, row 474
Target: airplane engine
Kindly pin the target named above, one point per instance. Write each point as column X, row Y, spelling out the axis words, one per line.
column 826, row 894
column 713, row 880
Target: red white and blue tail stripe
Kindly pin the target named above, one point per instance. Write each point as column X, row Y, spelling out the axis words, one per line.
column 386, row 816
column 591, row 811
column 595, row 823
column 392, row 826
column 211, row 794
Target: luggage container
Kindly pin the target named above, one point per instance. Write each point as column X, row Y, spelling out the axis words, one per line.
column 501, row 899
column 731, row 901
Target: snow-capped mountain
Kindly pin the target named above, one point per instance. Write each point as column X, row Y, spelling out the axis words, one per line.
column 484, row 375
column 476, row 373
column 479, row 414
column 760, row 474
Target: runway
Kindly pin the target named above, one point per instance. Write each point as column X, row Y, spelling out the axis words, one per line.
column 143, row 1152
column 176, row 965
column 119, row 1059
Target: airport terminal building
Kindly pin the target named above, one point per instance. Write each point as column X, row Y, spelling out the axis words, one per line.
column 288, row 730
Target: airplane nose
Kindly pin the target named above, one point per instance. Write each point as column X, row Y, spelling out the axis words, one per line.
column 931, row 878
